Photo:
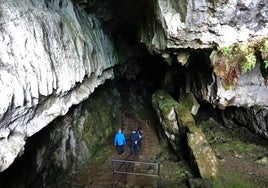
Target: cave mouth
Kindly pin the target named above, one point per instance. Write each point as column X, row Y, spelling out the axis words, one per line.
column 139, row 69
column 142, row 74
column 144, row 70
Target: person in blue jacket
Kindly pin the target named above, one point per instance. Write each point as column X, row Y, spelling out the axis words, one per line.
column 120, row 142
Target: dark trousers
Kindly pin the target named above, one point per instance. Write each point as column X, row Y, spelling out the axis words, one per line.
column 139, row 142
column 133, row 148
column 120, row 149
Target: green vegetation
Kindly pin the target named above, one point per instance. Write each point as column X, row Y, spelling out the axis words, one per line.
column 226, row 51
column 243, row 147
column 265, row 64
column 250, row 63
column 230, row 179
column 264, row 52
column 240, row 56
column 231, row 62
column 236, row 147
column 102, row 153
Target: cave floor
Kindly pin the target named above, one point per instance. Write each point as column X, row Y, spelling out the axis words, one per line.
column 241, row 154
column 150, row 149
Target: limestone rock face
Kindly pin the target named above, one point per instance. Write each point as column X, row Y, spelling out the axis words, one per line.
column 52, row 56
column 205, row 23
column 178, row 29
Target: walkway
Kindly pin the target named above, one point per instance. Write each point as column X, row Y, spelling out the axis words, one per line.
column 150, row 148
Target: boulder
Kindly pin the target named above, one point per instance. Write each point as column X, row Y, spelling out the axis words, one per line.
column 204, row 156
column 180, row 128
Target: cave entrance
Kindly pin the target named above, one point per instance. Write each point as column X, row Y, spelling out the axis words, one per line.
column 144, row 71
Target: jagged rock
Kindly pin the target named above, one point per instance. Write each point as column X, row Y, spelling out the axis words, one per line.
column 186, row 26
column 10, row 148
column 53, row 55
column 250, row 90
column 254, row 118
column 189, row 101
column 263, row 160
column 179, row 126
column 203, row 24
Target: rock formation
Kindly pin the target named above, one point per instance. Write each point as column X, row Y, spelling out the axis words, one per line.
column 203, row 24
column 180, row 128
column 231, row 35
column 53, row 55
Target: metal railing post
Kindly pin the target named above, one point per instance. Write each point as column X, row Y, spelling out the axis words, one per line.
column 113, row 172
column 125, row 174
column 158, row 172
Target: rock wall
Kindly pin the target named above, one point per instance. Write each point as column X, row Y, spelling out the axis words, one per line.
column 232, row 35
column 69, row 144
column 53, row 55
column 203, row 24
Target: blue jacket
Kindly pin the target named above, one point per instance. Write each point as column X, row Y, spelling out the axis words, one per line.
column 119, row 139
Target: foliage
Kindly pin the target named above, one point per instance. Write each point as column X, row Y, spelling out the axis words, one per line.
column 264, row 52
column 265, row 64
column 226, row 51
column 250, row 63
column 102, row 153
column 232, row 61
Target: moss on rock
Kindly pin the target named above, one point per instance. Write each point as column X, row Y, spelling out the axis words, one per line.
column 179, row 125
column 232, row 61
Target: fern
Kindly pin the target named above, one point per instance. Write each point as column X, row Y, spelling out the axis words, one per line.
column 250, row 63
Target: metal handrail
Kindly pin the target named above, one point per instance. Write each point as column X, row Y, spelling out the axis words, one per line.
column 136, row 162
column 135, row 173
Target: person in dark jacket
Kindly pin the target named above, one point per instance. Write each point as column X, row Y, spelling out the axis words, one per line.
column 140, row 133
column 120, row 142
column 134, row 142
